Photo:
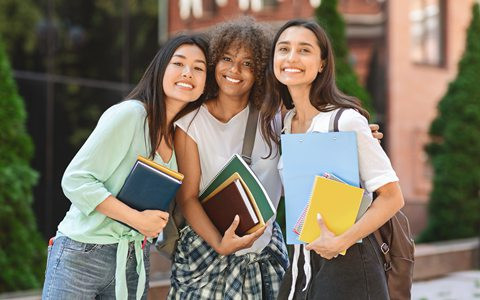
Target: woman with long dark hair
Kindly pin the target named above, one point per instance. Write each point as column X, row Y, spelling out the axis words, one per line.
column 301, row 73
column 93, row 256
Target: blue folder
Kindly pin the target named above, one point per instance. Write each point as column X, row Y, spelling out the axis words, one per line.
column 307, row 155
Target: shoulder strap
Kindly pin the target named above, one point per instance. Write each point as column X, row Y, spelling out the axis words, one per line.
column 333, row 126
column 249, row 137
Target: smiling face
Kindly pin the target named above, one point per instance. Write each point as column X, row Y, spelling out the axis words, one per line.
column 297, row 57
column 185, row 75
column 234, row 72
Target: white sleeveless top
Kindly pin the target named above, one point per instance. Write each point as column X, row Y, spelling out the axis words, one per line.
column 218, row 141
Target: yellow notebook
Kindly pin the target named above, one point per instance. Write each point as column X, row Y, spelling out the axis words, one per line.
column 337, row 202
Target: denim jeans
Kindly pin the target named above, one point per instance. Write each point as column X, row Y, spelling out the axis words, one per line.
column 87, row 271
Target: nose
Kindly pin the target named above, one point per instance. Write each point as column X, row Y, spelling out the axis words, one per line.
column 235, row 68
column 292, row 55
column 187, row 72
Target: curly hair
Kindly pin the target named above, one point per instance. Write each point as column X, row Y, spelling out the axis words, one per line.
column 255, row 38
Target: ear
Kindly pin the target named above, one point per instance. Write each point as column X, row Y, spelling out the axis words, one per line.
column 322, row 66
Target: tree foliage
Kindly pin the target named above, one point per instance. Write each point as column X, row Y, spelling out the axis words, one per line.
column 330, row 19
column 454, row 206
column 22, row 252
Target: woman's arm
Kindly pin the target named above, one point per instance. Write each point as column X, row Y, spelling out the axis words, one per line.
column 148, row 222
column 187, row 197
column 389, row 200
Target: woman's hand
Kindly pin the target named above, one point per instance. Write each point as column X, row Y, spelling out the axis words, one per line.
column 151, row 222
column 375, row 132
column 231, row 242
column 327, row 245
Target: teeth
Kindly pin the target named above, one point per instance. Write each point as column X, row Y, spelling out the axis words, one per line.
column 183, row 84
column 232, row 80
column 291, row 70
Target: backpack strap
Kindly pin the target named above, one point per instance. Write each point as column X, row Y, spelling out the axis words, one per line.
column 250, row 132
column 333, row 125
column 385, row 248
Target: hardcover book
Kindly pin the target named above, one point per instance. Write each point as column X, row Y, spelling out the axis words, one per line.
column 256, row 190
column 149, row 186
column 228, row 201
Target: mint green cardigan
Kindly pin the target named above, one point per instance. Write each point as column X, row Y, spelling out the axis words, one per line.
column 99, row 170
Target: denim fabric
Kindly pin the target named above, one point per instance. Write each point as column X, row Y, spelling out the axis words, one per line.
column 78, row 270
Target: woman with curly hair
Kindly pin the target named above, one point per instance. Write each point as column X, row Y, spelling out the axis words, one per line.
column 207, row 265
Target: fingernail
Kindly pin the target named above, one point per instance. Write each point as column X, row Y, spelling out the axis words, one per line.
column 319, row 217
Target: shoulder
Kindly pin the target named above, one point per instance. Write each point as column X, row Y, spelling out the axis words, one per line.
column 189, row 119
column 352, row 120
column 126, row 109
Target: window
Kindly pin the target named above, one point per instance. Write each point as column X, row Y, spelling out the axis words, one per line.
column 426, row 31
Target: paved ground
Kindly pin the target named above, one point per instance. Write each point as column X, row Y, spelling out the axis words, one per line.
column 463, row 285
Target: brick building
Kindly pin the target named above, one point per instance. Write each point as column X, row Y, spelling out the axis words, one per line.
column 404, row 51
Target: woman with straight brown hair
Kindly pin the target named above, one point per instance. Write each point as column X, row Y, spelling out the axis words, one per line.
column 301, row 75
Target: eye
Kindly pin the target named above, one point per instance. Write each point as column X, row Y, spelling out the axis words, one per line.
column 178, row 64
column 305, row 50
column 226, row 58
column 199, row 69
column 282, row 49
column 248, row 64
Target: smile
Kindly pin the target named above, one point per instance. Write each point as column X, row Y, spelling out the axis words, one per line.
column 292, row 70
column 184, row 85
column 232, row 80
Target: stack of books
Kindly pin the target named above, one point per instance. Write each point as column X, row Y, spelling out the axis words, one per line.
column 235, row 190
column 337, row 202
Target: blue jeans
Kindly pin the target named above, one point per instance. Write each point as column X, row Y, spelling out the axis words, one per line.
column 87, row 271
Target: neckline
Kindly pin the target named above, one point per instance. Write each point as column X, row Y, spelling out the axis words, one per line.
column 169, row 161
column 243, row 111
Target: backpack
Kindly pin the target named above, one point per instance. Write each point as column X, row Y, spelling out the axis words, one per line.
column 167, row 240
column 396, row 245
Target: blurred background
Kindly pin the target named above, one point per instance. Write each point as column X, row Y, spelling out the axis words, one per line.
column 413, row 63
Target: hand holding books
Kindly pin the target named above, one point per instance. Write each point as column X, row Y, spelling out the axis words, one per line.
column 327, row 245
column 232, row 243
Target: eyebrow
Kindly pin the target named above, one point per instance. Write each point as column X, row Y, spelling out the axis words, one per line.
column 183, row 56
column 301, row 43
column 230, row 54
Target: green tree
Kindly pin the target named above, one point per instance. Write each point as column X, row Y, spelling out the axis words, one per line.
column 329, row 18
column 454, row 206
column 22, row 252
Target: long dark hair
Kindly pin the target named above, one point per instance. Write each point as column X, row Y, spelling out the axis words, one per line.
column 149, row 90
column 324, row 93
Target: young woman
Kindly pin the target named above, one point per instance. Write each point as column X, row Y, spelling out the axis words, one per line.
column 207, row 265
column 301, row 74
column 94, row 256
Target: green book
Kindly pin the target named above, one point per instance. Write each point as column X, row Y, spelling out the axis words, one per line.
column 237, row 165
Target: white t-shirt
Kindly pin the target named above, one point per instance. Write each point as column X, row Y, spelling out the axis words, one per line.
column 218, row 141
column 374, row 165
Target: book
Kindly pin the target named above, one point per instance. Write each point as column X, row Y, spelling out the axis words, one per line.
column 364, row 205
column 149, row 186
column 228, row 200
column 310, row 154
column 257, row 192
column 338, row 204
column 366, row 197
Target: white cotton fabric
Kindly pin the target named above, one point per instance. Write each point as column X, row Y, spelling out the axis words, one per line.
column 218, row 141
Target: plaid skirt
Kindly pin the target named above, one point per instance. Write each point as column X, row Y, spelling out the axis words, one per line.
column 198, row 272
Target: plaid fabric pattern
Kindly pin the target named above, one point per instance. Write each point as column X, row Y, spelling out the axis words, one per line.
column 198, row 272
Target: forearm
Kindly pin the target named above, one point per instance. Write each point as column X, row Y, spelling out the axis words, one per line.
column 200, row 222
column 117, row 210
column 384, row 207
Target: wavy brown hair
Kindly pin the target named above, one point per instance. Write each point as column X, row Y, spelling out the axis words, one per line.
column 324, row 93
column 149, row 90
column 242, row 32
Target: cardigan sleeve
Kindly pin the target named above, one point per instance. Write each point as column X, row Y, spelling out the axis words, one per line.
column 83, row 180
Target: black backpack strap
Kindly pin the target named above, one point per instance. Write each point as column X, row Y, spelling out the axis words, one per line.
column 250, row 132
column 333, row 125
